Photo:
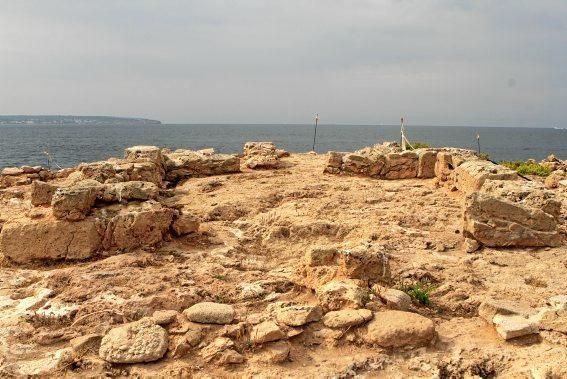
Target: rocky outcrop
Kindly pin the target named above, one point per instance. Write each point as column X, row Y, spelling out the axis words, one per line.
column 18, row 176
column 262, row 155
column 471, row 175
column 384, row 161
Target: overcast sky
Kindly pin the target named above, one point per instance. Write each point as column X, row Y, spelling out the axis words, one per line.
column 484, row 62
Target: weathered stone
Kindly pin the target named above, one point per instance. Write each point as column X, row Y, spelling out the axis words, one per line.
column 133, row 190
column 498, row 222
column 12, row 171
column 397, row 328
column 298, row 315
column 87, row 344
column 401, row 165
column 444, row 165
column 509, row 327
column 165, row 316
column 42, row 367
column 144, row 153
column 266, row 331
column 28, row 240
column 186, row 163
column 185, row 223
column 336, row 295
column 347, row 318
column 42, row 193
column 490, row 308
column 140, row 341
column 394, row 299
column 216, row 348
column 210, row 313
column 133, row 226
column 470, row 245
column 99, row 171
column 261, row 155
column 323, row 264
column 275, row 352
column 552, row 181
column 426, row 163
column 554, row 319
column 74, row 203
column 471, row 175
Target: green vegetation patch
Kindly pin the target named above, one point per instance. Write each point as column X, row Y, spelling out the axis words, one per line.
column 418, row 291
column 527, row 168
column 418, row 145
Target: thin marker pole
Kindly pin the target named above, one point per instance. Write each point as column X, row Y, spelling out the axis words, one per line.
column 478, row 142
column 315, row 134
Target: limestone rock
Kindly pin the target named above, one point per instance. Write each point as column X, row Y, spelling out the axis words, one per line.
column 298, row 315
column 132, row 190
column 426, row 163
column 261, row 155
column 336, row 295
column 28, row 240
column 490, row 308
column 74, row 203
column 141, row 153
column 401, row 165
column 132, row 226
column 140, row 341
column 210, row 313
column 471, row 175
column 186, row 163
column 397, row 328
column 347, row 318
column 471, row 245
column 274, row 352
column 87, row 344
column 266, row 331
column 395, row 299
column 509, row 327
column 552, row 181
column 221, row 350
column 165, row 316
column 42, row 193
column 42, row 367
column 494, row 221
column 185, row 223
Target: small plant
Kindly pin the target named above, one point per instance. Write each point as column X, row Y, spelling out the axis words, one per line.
column 365, row 296
column 419, row 145
column 527, row 168
column 418, row 291
column 219, row 277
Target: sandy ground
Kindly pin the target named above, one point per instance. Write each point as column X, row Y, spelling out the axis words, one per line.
column 257, row 226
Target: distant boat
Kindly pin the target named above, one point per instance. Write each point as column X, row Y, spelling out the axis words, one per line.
column 557, row 128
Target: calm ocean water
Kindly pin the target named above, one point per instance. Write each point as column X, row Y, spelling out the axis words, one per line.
column 71, row 144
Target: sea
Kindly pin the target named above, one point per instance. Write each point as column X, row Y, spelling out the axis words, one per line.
column 70, row 145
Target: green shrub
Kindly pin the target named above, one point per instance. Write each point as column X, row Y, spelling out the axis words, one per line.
column 418, row 291
column 418, row 145
column 527, row 168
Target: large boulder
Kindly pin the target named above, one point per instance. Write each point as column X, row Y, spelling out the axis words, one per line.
column 136, row 342
column 495, row 221
column 397, row 328
column 261, row 155
column 28, row 240
column 144, row 153
column 426, row 163
column 133, row 190
column 136, row 225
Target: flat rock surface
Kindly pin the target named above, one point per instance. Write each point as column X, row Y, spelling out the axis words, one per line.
column 397, row 328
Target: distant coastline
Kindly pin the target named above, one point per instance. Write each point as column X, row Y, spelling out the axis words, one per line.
column 73, row 120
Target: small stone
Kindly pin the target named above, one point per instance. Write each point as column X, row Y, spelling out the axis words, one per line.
column 471, row 245
column 165, row 316
column 230, row 357
column 221, row 350
column 347, row 318
column 395, row 299
column 210, row 313
column 509, row 327
column 89, row 343
column 185, row 223
column 140, row 341
column 274, row 352
column 266, row 331
column 298, row 315
column 336, row 295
